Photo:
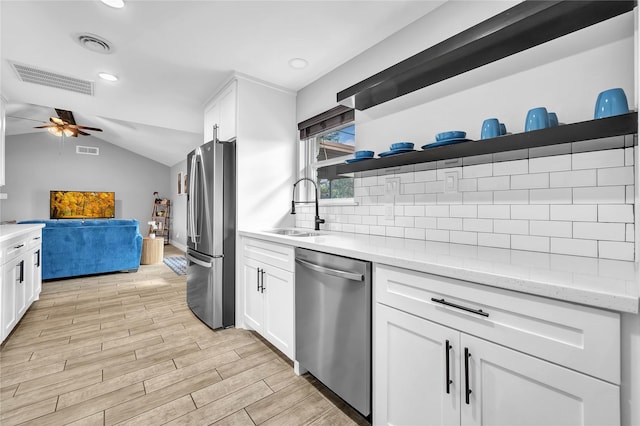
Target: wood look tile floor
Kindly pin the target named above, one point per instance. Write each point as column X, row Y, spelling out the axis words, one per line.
column 125, row 349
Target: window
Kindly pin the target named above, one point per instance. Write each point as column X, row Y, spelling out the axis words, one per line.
column 324, row 143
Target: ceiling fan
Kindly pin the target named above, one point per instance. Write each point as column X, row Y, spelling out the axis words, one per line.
column 65, row 124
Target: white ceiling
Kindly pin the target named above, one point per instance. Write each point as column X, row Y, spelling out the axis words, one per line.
column 171, row 56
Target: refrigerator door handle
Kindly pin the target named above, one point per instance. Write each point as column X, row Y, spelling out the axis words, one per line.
column 191, row 206
column 199, row 262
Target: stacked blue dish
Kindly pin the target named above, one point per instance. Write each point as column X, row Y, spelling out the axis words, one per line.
column 398, row 148
column 359, row 156
column 447, row 138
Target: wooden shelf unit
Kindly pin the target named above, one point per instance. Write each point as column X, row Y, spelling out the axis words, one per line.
column 161, row 215
column 626, row 124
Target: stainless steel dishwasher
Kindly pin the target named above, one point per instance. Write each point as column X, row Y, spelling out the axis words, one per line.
column 333, row 323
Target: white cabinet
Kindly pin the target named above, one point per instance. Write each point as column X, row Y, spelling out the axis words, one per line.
column 451, row 352
column 267, row 287
column 3, row 130
column 21, row 278
column 221, row 111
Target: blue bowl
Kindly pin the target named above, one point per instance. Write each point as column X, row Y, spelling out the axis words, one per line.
column 401, row 145
column 453, row 134
column 363, row 154
column 611, row 102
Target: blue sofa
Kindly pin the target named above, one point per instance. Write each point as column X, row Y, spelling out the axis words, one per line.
column 73, row 247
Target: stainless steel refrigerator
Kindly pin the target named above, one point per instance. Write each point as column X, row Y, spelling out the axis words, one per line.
column 211, row 232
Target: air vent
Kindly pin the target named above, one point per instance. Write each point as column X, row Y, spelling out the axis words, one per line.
column 87, row 150
column 93, row 43
column 35, row 75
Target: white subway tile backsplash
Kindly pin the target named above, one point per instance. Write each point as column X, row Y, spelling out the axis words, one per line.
column 550, row 196
column 579, row 204
column 495, row 183
column 535, row 180
column 531, row 243
column 516, row 167
column 478, row 170
column 538, row 211
column 481, row 197
column 615, row 250
column 576, row 213
column 493, row 211
column 599, row 195
column 574, row 247
column 477, row 225
column 615, row 213
column 631, row 232
column 615, row 176
column 463, row 210
column 572, row 178
column 450, row 223
column 426, row 222
column 599, row 231
column 550, row 164
column 598, row 159
column 550, row 228
column 503, row 226
column 515, row 196
column 494, row 240
column 462, row 237
column 437, row 235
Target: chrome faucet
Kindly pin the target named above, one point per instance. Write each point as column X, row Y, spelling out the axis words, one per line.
column 318, row 221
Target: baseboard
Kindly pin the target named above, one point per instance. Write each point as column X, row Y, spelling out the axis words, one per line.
column 178, row 245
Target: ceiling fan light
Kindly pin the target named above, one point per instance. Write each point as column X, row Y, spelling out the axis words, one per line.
column 68, row 132
column 118, row 4
column 55, row 131
column 107, row 76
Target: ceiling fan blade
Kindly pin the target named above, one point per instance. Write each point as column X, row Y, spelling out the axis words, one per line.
column 44, row 127
column 82, row 133
column 95, row 129
column 66, row 115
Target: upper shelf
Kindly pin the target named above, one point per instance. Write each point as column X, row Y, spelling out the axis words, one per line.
column 521, row 27
column 625, row 124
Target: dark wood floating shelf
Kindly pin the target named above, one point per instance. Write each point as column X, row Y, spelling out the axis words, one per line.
column 625, row 124
column 521, row 27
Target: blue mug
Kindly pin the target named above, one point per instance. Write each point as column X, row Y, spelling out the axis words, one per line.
column 503, row 129
column 537, row 118
column 553, row 119
column 490, row 128
column 611, row 102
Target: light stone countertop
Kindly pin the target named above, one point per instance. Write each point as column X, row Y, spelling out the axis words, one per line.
column 13, row 230
column 608, row 284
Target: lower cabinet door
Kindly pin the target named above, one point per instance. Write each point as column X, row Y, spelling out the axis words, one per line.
column 253, row 298
column 278, row 293
column 9, row 284
column 410, row 371
column 510, row 388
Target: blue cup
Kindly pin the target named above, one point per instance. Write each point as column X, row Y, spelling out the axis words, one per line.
column 363, row 154
column 553, row 119
column 503, row 129
column 611, row 102
column 537, row 118
column 490, row 128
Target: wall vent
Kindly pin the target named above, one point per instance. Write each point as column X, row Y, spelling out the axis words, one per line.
column 87, row 150
column 35, row 75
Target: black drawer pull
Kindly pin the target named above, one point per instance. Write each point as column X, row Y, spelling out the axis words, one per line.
column 17, row 247
column 464, row 308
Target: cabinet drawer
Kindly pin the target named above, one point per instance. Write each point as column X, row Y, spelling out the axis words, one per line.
column 14, row 248
column 278, row 255
column 579, row 337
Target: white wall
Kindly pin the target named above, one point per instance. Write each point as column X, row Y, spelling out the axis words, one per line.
column 36, row 164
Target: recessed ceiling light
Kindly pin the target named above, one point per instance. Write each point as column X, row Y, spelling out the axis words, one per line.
column 107, row 76
column 298, row 63
column 118, row 4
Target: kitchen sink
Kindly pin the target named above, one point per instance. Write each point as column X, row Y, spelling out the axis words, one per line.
column 292, row 232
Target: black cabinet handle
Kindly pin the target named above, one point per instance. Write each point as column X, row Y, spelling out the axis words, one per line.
column 21, row 275
column 38, row 258
column 257, row 279
column 262, row 281
column 17, row 247
column 467, row 390
column 464, row 308
column 447, row 348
